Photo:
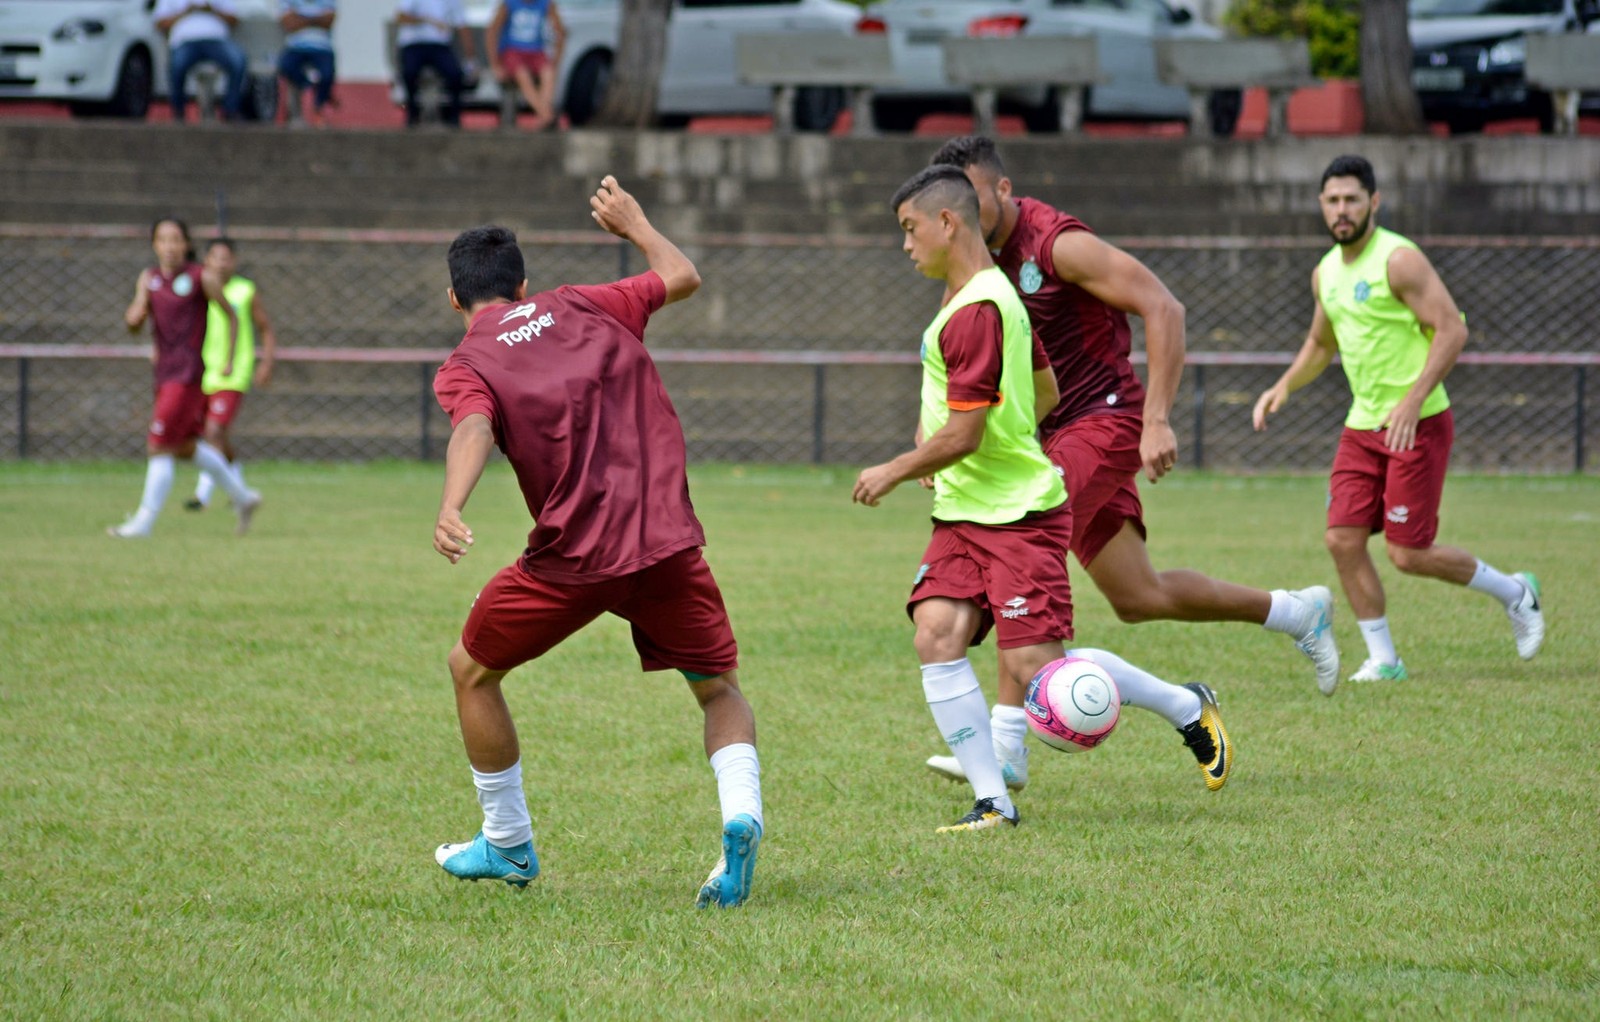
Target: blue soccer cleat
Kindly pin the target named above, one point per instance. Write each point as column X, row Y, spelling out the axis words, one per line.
column 729, row 883
column 479, row 860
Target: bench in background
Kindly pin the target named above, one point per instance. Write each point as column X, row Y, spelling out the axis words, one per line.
column 1203, row 66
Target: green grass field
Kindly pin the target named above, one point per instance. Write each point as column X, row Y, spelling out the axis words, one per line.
column 227, row 762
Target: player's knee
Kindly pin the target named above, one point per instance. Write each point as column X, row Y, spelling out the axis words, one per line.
column 1342, row 542
column 1408, row 560
column 467, row 672
column 1134, row 607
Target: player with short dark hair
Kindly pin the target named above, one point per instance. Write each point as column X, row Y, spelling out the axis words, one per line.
column 1001, row 522
column 1079, row 291
column 562, row 383
column 173, row 296
column 233, row 365
column 1381, row 307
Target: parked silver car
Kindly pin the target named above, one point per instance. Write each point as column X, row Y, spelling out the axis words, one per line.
column 699, row 75
column 1125, row 32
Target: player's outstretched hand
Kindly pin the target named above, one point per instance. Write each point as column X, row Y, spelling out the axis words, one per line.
column 616, row 210
column 451, row 537
column 1158, row 449
column 1268, row 403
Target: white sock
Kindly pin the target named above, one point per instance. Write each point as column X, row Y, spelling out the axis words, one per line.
column 1380, row 646
column 505, row 810
column 1504, row 588
column 1288, row 613
column 738, row 771
column 158, row 473
column 210, row 460
column 962, row 716
column 1140, row 688
column 203, row 488
column 1009, row 727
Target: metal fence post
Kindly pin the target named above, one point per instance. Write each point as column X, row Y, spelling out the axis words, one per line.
column 1200, row 416
column 423, row 408
column 819, row 409
column 22, row 408
column 1580, row 378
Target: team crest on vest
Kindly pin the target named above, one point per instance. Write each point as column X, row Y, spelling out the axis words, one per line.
column 1363, row 291
column 182, row 286
column 1030, row 279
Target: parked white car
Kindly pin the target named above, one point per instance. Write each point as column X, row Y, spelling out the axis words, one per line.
column 101, row 56
column 1125, row 32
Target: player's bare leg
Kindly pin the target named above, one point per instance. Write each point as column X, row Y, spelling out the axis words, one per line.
column 730, row 737
column 503, row 848
column 1518, row 593
column 1138, row 592
column 1358, row 575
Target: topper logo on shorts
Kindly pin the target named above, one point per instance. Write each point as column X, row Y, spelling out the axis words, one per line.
column 1016, row 607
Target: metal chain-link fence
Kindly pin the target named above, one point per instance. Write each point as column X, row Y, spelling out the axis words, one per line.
column 795, row 349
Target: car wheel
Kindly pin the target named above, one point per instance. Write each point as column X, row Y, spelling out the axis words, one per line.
column 586, row 88
column 132, row 95
column 1225, row 106
column 817, row 108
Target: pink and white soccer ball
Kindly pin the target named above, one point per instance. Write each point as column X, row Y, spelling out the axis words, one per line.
column 1072, row 704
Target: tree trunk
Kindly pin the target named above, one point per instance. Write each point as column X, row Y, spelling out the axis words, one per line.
column 1387, row 94
column 636, row 71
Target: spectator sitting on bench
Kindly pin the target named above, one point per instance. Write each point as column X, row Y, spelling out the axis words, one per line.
column 524, row 40
column 307, row 58
column 199, row 31
column 423, row 40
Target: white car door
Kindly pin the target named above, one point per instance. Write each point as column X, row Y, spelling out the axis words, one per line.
column 1124, row 38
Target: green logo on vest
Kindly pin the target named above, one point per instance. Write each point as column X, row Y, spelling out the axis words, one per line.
column 1031, row 279
column 1363, row 291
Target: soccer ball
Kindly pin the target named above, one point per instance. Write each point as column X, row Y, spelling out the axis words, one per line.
column 1072, row 704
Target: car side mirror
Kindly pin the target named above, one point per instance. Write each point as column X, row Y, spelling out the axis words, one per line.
column 1182, row 15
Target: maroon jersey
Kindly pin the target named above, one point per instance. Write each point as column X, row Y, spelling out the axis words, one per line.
column 178, row 322
column 580, row 411
column 1087, row 340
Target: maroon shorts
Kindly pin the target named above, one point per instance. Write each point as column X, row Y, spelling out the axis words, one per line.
column 1015, row 573
column 532, row 61
column 180, row 414
column 1397, row 491
column 1099, row 460
column 674, row 607
column 222, row 406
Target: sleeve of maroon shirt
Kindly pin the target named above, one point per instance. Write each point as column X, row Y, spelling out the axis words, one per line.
column 971, row 343
column 461, row 392
column 631, row 301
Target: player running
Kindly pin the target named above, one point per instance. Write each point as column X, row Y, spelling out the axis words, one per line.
column 1078, row 291
column 561, row 382
column 232, row 364
column 1002, row 523
column 172, row 295
column 1381, row 307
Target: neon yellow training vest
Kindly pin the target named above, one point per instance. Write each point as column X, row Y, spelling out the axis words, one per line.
column 241, row 294
column 1008, row 476
column 1382, row 346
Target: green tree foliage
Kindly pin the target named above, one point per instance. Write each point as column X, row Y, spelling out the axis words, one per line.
column 1332, row 27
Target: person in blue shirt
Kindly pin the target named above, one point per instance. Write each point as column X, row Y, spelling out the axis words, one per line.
column 524, row 40
column 307, row 58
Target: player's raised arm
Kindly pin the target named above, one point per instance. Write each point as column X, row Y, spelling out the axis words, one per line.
column 470, row 444
column 1124, row 283
column 620, row 213
column 1315, row 355
column 139, row 309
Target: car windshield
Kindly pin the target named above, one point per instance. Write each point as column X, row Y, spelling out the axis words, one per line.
column 1482, row 8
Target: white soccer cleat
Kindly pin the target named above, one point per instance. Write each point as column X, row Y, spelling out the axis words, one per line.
column 1377, row 670
column 1015, row 771
column 1527, row 616
column 1316, row 640
column 244, row 511
column 127, row 530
